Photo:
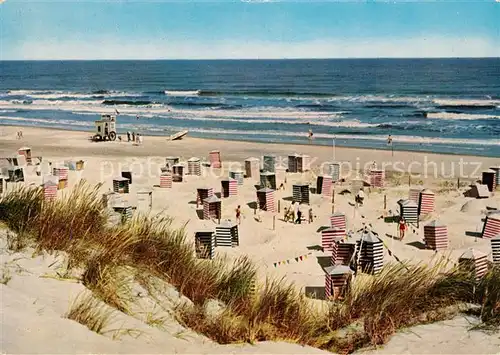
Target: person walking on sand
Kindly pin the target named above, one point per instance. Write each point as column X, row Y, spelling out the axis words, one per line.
column 310, row 215
column 402, row 228
column 133, row 137
column 238, row 214
column 128, row 136
column 299, row 215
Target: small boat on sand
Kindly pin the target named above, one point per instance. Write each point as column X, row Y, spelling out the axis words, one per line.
column 178, row 135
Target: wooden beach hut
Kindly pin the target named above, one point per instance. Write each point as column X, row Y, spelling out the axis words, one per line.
column 333, row 170
column 268, row 179
column 303, row 163
column 205, row 244
column 376, row 177
column 252, row 168
column 26, row 152
column 215, row 160
column 202, row 193
column 371, row 249
column 269, row 163
column 337, row 280
column 226, row 234
column 127, row 174
column 266, row 199
column 408, row 210
column 301, row 193
column 194, row 166
column 212, row 207
column 477, row 191
column 338, row 220
column 345, row 252
column 495, row 249
column 474, row 261
column 496, row 169
column 292, row 163
column 166, row 181
column 50, row 185
column 61, row 172
column 144, row 200
column 489, row 179
column 491, row 226
column 171, row 161
column 330, row 236
column 121, row 185
column 125, row 210
column 324, row 186
column 15, row 174
column 436, row 236
column 414, row 194
column 229, row 187
column 237, row 175
column 177, row 172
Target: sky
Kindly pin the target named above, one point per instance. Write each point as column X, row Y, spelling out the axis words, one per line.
column 230, row 29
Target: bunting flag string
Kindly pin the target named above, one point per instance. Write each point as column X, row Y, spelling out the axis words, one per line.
column 287, row 261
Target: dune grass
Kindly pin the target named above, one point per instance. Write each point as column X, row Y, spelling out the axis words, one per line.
column 91, row 313
column 374, row 307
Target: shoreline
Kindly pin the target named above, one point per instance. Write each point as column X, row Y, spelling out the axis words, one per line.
column 266, row 143
column 63, row 143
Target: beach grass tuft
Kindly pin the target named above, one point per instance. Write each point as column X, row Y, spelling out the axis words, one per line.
column 91, row 313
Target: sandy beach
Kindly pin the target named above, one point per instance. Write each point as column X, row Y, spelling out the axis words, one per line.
column 32, row 305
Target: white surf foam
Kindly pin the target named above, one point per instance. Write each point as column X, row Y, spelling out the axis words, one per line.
column 396, row 139
column 182, row 93
column 459, row 116
column 62, row 94
column 466, row 102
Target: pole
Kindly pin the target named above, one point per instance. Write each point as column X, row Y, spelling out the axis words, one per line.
column 458, row 183
column 279, row 206
column 385, row 203
column 274, row 222
column 333, row 208
column 409, row 180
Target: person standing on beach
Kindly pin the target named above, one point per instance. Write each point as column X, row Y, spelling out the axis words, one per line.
column 128, row 136
column 133, row 137
column 402, row 228
column 238, row 214
column 310, row 215
column 299, row 215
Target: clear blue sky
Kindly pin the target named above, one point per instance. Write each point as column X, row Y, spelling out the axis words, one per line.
column 146, row 29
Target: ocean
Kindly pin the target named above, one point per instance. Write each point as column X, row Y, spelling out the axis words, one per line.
column 431, row 105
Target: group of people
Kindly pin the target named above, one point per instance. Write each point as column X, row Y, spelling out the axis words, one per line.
column 134, row 137
column 294, row 213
